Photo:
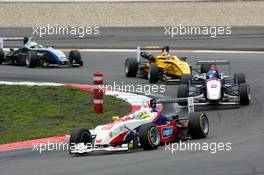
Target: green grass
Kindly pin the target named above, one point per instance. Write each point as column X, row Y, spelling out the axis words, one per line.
column 38, row 111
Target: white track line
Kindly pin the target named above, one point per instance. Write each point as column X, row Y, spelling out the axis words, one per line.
column 188, row 51
column 30, row 83
column 63, row 1
column 108, row 50
column 225, row 51
column 179, row 51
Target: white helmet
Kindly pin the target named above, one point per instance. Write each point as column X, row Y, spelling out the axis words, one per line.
column 32, row 44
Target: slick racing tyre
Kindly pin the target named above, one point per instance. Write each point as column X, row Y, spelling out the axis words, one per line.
column 75, row 57
column 149, row 136
column 198, row 125
column 239, row 78
column 186, row 79
column 79, row 135
column 2, row 55
column 244, row 94
column 205, row 68
column 191, row 69
column 131, row 67
column 153, row 74
column 183, row 92
column 134, row 144
column 32, row 60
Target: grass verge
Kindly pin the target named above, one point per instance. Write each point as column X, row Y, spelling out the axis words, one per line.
column 30, row 112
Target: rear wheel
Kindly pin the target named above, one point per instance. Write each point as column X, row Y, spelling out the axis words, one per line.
column 186, row 79
column 183, row 92
column 205, row 68
column 244, row 94
column 2, row 55
column 239, row 78
column 153, row 73
column 149, row 136
column 131, row 67
column 198, row 126
column 75, row 57
column 79, row 135
column 32, row 60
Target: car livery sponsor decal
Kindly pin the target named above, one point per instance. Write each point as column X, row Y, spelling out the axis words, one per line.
column 167, row 132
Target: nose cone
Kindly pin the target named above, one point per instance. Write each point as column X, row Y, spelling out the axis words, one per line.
column 103, row 137
column 213, row 90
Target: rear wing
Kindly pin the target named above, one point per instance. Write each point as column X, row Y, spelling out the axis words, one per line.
column 190, row 102
column 147, row 48
column 217, row 62
column 24, row 39
column 153, row 49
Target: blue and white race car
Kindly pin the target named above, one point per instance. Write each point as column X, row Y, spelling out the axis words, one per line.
column 33, row 54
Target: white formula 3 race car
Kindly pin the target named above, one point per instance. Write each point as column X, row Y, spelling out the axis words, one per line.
column 145, row 128
column 210, row 86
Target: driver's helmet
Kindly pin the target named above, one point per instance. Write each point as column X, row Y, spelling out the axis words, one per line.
column 212, row 74
column 165, row 52
column 32, row 44
column 140, row 115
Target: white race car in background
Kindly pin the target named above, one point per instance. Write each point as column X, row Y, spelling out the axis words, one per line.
column 216, row 89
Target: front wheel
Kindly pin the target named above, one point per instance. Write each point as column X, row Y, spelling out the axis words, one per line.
column 186, row 79
column 75, row 58
column 2, row 55
column 79, row 135
column 198, row 125
column 149, row 136
column 32, row 60
column 244, row 94
column 153, row 74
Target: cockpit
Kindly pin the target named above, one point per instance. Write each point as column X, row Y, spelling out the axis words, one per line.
column 34, row 45
column 142, row 114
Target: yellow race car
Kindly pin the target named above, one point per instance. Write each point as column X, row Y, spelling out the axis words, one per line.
column 163, row 67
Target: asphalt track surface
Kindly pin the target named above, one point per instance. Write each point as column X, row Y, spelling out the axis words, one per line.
column 243, row 127
column 241, row 38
